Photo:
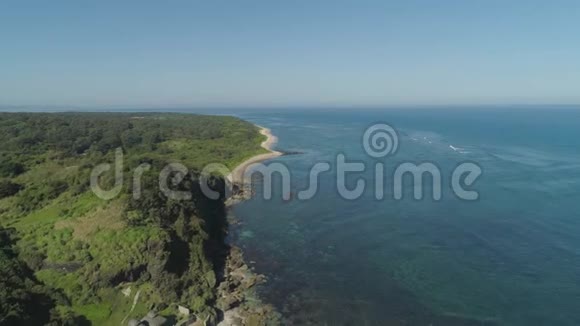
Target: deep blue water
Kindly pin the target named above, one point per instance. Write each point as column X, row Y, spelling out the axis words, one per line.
column 510, row 258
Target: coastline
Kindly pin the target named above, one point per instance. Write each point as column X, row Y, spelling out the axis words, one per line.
column 236, row 177
column 237, row 298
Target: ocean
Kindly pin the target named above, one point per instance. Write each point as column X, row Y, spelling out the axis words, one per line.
column 510, row 257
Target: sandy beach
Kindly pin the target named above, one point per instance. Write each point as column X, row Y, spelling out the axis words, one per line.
column 237, row 175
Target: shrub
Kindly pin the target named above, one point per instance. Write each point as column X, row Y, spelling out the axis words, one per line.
column 10, row 169
column 36, row 196
column 8, row 188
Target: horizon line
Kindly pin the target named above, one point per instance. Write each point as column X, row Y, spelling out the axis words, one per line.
column 105, row 108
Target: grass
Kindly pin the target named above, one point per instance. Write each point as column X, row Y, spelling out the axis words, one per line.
column 215, row 152
column 76, row 229
column 107, row 217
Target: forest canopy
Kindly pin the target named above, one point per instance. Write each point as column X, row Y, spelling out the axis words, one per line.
column 74, row 254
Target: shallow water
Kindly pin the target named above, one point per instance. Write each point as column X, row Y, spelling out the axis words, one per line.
column 510, row 258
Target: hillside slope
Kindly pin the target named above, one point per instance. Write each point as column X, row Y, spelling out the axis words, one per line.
column 80, row 252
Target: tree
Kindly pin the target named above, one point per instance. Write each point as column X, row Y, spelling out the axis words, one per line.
column 8, row 188
column 9, row 168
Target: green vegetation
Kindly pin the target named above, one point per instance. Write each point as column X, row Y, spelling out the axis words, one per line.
column 67, row 255
column 8, row 188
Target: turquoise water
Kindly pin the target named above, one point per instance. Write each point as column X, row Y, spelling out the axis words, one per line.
column 510, row 258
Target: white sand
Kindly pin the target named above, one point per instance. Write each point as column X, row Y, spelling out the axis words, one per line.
column 237, row 175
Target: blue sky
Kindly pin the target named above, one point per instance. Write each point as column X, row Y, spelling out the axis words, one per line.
column 288, row 53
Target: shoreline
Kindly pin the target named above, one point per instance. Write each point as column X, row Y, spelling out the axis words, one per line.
column 238, row 173
column 237, row 299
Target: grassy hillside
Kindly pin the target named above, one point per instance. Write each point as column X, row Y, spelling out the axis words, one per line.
column 71, row 254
